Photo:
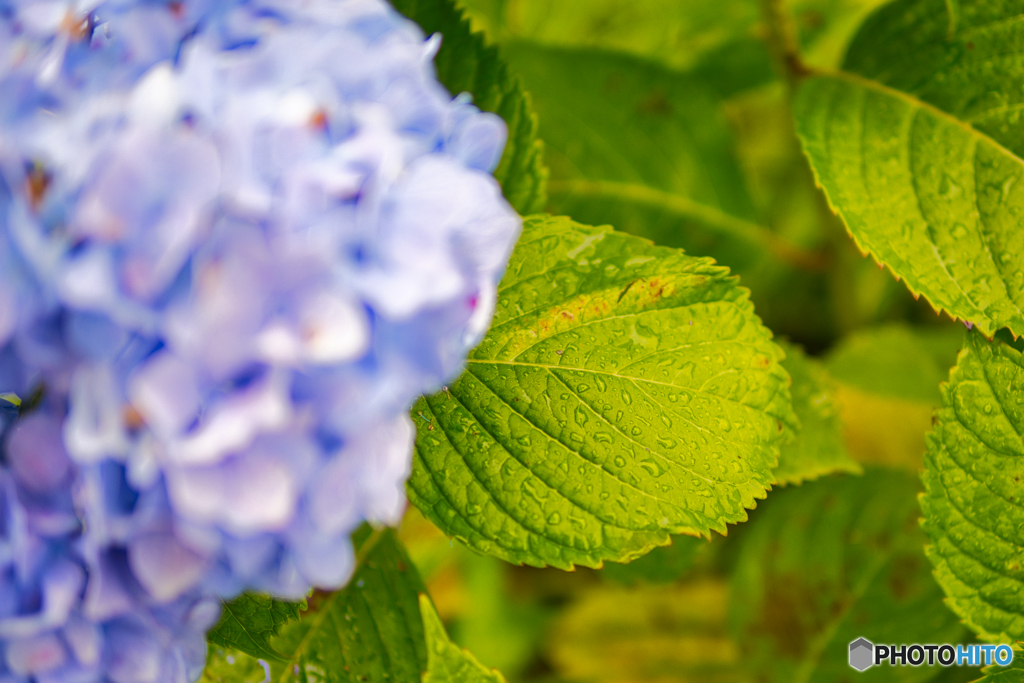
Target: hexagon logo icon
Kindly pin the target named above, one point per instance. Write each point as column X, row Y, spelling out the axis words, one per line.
column 861, row 654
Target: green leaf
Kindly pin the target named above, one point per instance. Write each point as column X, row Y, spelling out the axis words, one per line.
column 830, row 561
column 818, row 447
column 370, row 630
column 465, row 63
column 446, row 661
column 247, row 623
column 624, row 392
column 917, row 146
column 972, row 507
column 647, row 634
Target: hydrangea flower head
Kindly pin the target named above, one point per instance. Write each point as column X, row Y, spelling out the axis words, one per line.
column 68, row 615
column 237, row 240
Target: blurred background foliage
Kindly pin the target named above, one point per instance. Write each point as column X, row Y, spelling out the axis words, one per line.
column 669, row 120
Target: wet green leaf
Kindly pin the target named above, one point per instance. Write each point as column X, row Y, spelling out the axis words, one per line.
column 249, row 621
column 917, row 145
column 624, row 392
column 973, row 474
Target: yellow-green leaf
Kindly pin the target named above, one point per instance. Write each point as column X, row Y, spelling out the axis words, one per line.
column 916, row 143
column 624, row 392
column 973, row 478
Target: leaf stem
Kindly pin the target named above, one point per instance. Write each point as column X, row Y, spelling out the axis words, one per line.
column 782, row 41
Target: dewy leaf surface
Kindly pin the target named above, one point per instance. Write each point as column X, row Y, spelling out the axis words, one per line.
column 465, row 63
column 830, row 561
column 446, row 661
column 249, row 621
column 973, row 505
column 917, row 144
column 818, row 446
column 624, row 392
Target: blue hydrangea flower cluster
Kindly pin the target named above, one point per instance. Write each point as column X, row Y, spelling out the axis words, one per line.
column 237, row 240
